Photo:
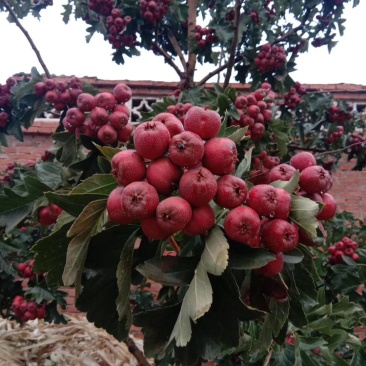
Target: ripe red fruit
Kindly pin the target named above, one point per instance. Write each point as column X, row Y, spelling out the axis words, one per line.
column 203, row 218
column 220, row 156
column 242, row 224
column 283, row 208
column 272, row 268
column 40, row 89
column 118, row 120
column 127, row 167
column 164, row 175
column 302, row 160
column 231, row 192
column 151, row 139
column 315, row 179
column 107, row 134
column 44, row 217
column 122, row 108
column 122, row 92
column 282, row 172
column 85, row 102
column 51, row 97
column 173, row 214
column 205, row 123
column 241, row 102
column 330, row 207
column 124, row 134
column 21, row 267
column 99, row 116
column 198, row 186
column 263, row 199
column 173, row 124
column 114, row 208
column 139, row 200
column 75, row 116
column 105, row 100
column 186, row 149
column 279, row 235
column 152, row 230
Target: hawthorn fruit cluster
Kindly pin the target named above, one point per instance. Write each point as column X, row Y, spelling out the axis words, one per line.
column 205, row 36
column 104, row 116
column 27, row 309
column 116, row 27
column 25, row 270
column 356, row 141
column 255, row 112
column 294, row 97
column 338, row 115
column 5, row 103
column 177, row 171
column 59, row 94
column 345, row 247
column 102, row 7
column 48, row 215
column 335, row 135
column 270, row 58
column 179, row 110
column 153, row 11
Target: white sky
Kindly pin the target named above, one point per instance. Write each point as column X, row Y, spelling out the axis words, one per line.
column 65, row 52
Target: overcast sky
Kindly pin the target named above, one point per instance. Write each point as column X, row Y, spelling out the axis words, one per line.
column 65, row 52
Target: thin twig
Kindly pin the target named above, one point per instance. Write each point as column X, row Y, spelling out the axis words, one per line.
column 177, row 49
column 168, row 59
column 134, row 350
column 294, row 30
column 192, row 57
column 234, row 44
column 174, row 244
column 35, row 49
column 267, row 359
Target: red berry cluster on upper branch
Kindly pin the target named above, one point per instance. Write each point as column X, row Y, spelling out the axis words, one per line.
column 270, row 58
column 59, row 94
column 205, row 36
column 153, row 11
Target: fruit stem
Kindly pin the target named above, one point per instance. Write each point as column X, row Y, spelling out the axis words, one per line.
column 30, row 40
column 174, row 244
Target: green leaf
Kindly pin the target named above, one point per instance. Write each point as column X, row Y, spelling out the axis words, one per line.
column 10, row 201
column 50, row 255
column 216, row 253
column 196, row 303
column 40, row 294
column 73, row 204
column 303, row 212
column 96, row 184
column 108, row 151
column 92, row 218
column 169, row 270
column 124, row 280
column 249, row 258
column 238, row 135
column 295, row 256
column 290, row 185
column 10, row 219
column 244, row 165
column 89, row 223
column 35, row 187
column 49, row 174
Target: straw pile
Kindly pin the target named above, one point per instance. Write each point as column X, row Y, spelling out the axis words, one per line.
column 77, row 343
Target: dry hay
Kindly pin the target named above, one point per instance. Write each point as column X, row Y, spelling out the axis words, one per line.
column 77, row 343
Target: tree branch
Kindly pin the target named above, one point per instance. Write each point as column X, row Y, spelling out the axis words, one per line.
column 231, row 61
column 177, row 49
column 168, row 60
column 192, row 57
column 134, row 350
column 35, row 49
column 294, row 30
